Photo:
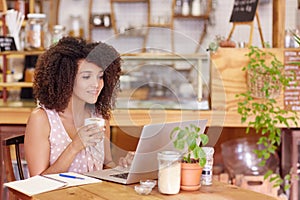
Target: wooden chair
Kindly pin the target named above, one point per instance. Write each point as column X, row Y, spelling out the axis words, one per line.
column 3, row 6
column 15, row 142
column 7, row 144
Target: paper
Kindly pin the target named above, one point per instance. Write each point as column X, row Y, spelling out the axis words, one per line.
column 75, row 182
column 39, row 184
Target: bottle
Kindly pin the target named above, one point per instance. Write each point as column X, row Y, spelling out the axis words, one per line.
column 185, row 8
column 76, row 29
column 36, row 31
column 196, row 8
column 178, row 7
column 287, row 39
column 207, row 172
column 57, row 33
column 169, row 172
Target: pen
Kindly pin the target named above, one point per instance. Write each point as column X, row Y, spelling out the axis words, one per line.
column 70, row 176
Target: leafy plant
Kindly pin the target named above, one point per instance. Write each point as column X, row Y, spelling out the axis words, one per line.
column 188, row 138
column 263, row 114
column 296, row 37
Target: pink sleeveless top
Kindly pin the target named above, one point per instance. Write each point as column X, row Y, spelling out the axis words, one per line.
column 85, row 160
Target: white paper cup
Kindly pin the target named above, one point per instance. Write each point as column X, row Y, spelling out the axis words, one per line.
column 94, row 120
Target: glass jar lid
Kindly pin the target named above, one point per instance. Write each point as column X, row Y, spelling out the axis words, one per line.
column 169, row 155
column 36, row 15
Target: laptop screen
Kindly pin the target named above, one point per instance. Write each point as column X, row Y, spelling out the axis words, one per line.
column 156, row 138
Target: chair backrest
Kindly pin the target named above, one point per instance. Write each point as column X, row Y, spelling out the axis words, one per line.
column 3, row 6
column 9, row 169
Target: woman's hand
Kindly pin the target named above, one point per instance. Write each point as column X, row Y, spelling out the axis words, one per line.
column 90, row 135
column 127, row 160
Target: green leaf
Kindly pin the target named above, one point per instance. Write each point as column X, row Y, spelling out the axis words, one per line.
column 179, row 144
column 174, row 132
column 192, row 144
column 181, row 135
column 268, row 174
column 286, row 187
column 204, row 139
column 202, row 162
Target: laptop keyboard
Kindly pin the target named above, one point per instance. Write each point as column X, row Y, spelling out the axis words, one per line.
column 123, row 175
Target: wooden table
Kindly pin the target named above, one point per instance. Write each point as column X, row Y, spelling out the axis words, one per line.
column 111, row 191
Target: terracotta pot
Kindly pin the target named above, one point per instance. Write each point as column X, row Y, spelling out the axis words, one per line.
column 190, row 176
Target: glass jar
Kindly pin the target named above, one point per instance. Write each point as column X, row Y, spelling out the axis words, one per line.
column 196, row 8
column 178, row 7
column 76, row 29
column 185, row 8
column 29, row 74
column 35, row 31
column 57, row 33
column 169, row 171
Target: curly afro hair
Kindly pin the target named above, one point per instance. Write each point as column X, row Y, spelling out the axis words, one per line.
column 56, row 70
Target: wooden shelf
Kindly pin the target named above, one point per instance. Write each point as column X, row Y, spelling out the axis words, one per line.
column 16, row 84
column 160, row 25
column 129, row 1
column 99, row 27
column 133, row 34
column 191, row 16
column 8, row 53
column 163, row 56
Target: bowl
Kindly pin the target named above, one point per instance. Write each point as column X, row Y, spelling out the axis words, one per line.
column 148, row 183
column 239, row 157
column 141, row 189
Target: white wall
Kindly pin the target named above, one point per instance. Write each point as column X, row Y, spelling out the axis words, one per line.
column 186, row 32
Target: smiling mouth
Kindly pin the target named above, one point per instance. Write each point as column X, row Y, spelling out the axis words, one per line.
column 93, row 92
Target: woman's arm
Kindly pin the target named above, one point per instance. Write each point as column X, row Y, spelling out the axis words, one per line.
column 108, row 161
column 37, row 146
column 36, row 143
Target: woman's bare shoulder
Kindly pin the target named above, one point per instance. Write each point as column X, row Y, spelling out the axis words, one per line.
column 38, row 114
column 38, row 118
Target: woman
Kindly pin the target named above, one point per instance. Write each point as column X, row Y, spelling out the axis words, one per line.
column 73, row 80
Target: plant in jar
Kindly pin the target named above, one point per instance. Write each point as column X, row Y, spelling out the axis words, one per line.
column 190, row 140
column 258, row 106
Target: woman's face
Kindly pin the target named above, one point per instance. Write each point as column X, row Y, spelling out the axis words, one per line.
column 88, row 82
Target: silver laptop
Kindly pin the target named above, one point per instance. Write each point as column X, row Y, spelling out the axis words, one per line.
column 154, row 138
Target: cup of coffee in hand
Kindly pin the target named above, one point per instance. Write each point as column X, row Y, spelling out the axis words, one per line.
column 95, row 120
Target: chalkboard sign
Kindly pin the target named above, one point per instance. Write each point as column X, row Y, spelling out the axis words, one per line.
column 292, row 91
column 7, row 43
column 243, row 10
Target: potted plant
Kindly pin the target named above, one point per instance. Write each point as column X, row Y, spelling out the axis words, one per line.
column 189, row 140
column 258, row 106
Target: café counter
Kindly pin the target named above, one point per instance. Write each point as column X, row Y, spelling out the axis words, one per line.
column 226, row 80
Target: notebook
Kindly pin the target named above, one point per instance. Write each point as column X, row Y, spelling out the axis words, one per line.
column 154, row 138
column 45, row 183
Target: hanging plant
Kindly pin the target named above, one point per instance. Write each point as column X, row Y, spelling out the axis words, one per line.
column 258, row 106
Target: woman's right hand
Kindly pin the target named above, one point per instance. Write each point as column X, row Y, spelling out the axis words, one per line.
column 90, row 135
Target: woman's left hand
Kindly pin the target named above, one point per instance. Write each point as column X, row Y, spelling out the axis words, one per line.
column 127, row 160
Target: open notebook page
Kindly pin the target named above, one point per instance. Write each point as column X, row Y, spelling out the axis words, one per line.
column 39, row 184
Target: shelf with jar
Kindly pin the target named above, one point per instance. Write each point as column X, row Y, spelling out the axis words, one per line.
column 23, row 6
column 36, row 40
column 198, row 9
column 193, row 10
column 116, row 27
column 8, row 81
